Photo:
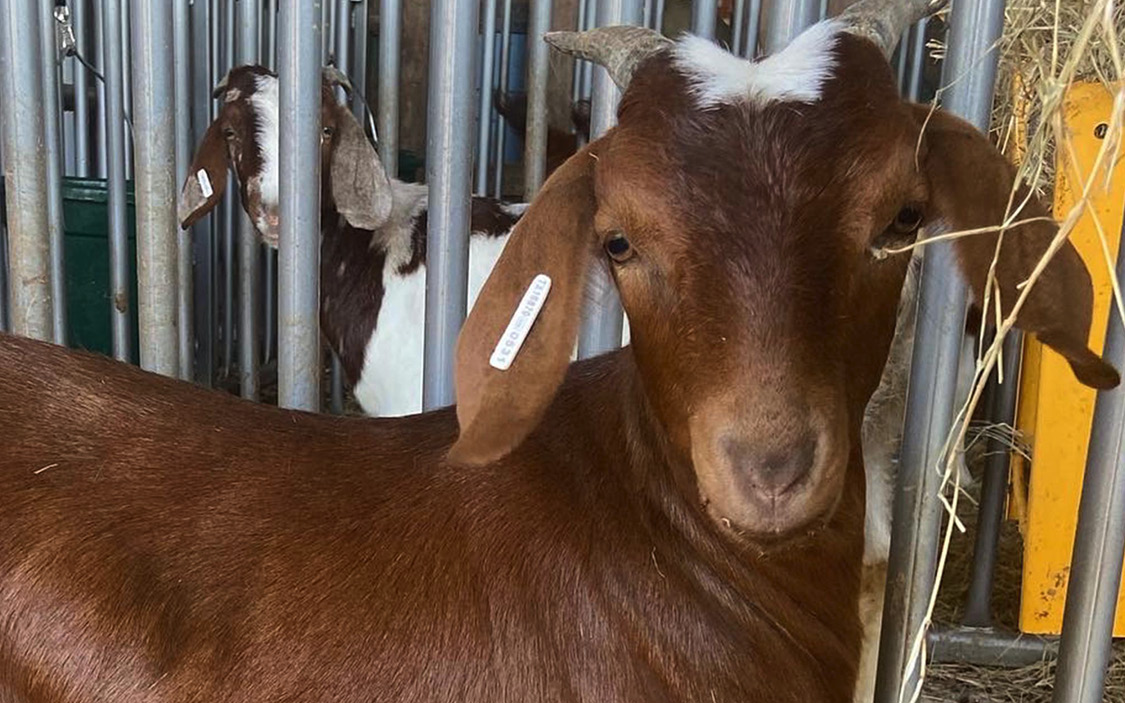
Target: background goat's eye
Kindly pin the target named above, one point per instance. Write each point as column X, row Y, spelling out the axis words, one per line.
column 618, row 247
column 228, row 132
column 908, row 219
column 328, row 132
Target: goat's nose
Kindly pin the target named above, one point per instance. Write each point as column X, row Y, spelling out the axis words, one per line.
column 772, row 468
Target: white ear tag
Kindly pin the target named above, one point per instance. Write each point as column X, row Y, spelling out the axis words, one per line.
column 522, row 320
column 204, row 183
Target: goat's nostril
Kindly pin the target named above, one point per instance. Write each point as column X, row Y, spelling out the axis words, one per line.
column 770, row 467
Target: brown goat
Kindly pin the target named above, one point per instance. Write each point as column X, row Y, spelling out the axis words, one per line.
column 681, row 520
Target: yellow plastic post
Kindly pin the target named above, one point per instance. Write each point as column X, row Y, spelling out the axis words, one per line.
column 1054, row 409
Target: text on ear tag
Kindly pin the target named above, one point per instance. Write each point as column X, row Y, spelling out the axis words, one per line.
column 522, row 320
column 204, row 183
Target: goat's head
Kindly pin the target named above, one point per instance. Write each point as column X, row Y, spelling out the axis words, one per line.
column 244, row 137
column 740, row 207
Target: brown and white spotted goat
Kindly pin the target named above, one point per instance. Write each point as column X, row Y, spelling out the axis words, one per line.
column 680, row 520
column 373, row 232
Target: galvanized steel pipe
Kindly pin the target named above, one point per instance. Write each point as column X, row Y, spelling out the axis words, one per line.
column 203, row 232
column 535, row 139
column 603, row 319
column 247, row 51
column 390, row 34
column 181, row 38
column 25, row 171
column 975, row 25
column 114, row 139
column 703, row 18
column 787, row 19
column 298, row 365
column 1095, row 569
column 501, row 123
column 484, row 123
column 82, row 160
column 453, row 25
column 154, row 119
column 53, row 155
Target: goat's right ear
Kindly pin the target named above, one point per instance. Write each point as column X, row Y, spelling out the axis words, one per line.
column 206, row 179
column 497, row 409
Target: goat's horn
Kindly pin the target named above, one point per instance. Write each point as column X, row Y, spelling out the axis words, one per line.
column 620, row 49
column 221, row 86
column 335, row 76
column 884, row 21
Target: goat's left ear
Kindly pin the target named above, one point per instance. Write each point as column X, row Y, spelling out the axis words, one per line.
column 498, row 407
column 970, row 187
column 206, row 179
column 360, row 188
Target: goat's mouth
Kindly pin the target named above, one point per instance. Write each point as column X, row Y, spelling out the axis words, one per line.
column 268, row 224
column 768, row 495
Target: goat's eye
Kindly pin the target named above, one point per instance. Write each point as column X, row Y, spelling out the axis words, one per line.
column 908, row 219
column 327, row 132
column 228, row 132
column 618, row 247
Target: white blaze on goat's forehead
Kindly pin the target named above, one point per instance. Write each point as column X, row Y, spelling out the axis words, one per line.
column 267, row 110
column 796, row 74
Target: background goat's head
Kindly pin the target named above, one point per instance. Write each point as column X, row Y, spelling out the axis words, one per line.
column 739, row 207
column 244, row 137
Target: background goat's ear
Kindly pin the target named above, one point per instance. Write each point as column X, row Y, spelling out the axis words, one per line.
column 207, row 177
column 360, row 187
column 970, row 184
column 498, row 409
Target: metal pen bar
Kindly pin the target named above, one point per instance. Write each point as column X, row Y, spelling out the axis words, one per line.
column 269, row 255
column 25, row 171
column 753, row 28
column 100, row 130
column 994, row 488
column 658, row 18
column 327, row 12
column 787, row 19
column 535, row 138
column 82, row 160
column 5, row 325
column 342, row 51
column 181, row 66
column 902, row 53
column 603, row 319
column 918, row 60
column 154, row 118
column 576, row 76
column 972, row 59
column 270, row 59
column 703, row 18
column 738, row 28
column 53, row 156
column 202, row 233
column 359, row 60
column 501, row 123
column 248, row 51
column 115, row 139
column 127, row 85
column 299, row 69
column 231, row 212
column 390, row 35
column 484, row 123
column 1095, row 569
column 449, row 173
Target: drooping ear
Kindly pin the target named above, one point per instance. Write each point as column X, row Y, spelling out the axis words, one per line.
column 970, row 187
column 206, row 179
column 497, row 409
column 359, row 184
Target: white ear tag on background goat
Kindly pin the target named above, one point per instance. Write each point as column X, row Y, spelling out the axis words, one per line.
column 204, row 183
column 522, row 320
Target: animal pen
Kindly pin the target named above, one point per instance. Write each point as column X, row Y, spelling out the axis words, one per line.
column 104, row 101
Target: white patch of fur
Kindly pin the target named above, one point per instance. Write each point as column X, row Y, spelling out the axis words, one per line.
column 265, row 103
column 390, row 383
column 797, row 73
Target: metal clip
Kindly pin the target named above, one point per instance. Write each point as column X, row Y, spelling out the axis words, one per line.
column 64, row 31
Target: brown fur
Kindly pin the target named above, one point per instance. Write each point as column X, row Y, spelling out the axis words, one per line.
column 159, row 542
